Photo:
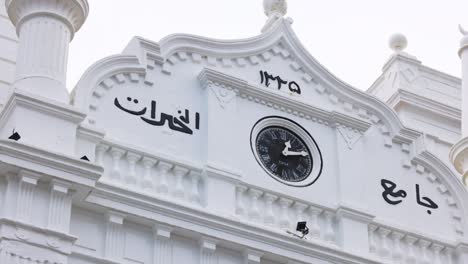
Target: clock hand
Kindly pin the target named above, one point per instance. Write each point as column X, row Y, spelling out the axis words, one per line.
column 294, row 153
column 287, row 147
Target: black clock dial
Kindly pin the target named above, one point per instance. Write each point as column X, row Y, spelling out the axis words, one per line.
column 283, row 154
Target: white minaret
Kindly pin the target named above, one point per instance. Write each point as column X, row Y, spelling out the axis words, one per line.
column 9, row 43
column 459, row 152
column 45, row 29
column 38, row 111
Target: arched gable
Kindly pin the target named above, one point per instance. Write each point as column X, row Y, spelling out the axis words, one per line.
column 229, row 69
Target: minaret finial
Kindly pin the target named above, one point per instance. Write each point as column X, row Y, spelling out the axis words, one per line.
column 277, row 8
column 398, row 42
column 274, row 10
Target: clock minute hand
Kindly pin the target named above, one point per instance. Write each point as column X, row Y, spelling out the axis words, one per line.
column 294, row 153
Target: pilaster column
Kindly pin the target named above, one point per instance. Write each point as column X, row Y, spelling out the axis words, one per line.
column 44, row 32
column 162, row 253
column 208, row 251
column 114, row 243
column 27, row 186
column 59, row 206
column 11, row 195
column 253, row 257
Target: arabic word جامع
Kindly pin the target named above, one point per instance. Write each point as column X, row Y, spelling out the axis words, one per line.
column 266, row 78
column 179, row 124
column 394, row 197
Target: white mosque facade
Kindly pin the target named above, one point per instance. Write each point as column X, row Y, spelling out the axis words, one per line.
column 195, row 150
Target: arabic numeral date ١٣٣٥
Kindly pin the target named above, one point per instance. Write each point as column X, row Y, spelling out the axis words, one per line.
column 395, row 197
column 180, row 124
column 266, row 79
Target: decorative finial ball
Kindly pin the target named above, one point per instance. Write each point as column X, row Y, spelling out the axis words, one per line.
column 278, row 7
column 398, row 42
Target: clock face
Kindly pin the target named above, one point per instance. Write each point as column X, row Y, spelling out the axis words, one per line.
column 283, row 154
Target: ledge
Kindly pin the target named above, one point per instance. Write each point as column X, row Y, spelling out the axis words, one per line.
column 22, row 156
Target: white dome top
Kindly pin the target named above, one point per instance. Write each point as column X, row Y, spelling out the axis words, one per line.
column 398, row 42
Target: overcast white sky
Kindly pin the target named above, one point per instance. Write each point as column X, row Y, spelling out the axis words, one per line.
column 350, row 38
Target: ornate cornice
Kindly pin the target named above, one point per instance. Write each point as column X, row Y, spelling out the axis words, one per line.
column 425, row 103
column 276, row 100
column 21, row 156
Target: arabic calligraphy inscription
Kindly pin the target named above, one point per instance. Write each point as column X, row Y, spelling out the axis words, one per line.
column 395, row 197
column 178, row 124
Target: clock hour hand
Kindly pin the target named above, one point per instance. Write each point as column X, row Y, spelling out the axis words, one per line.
column 294, row 153
column 287, row 147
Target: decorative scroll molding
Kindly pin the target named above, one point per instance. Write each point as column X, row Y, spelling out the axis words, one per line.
column 223, row 94
column 350, row 136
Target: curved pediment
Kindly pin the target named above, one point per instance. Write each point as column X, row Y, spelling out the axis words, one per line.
column 221, row 89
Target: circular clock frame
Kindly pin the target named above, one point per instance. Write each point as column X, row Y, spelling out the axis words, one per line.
column 314, row 150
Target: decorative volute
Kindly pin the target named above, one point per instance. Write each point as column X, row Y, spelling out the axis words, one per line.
column 45, row 29
column 459, row 152
column 274, row 10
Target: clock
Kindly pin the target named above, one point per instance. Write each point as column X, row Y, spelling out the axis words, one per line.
column 286, row 151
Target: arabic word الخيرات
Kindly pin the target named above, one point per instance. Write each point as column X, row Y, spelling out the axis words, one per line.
column 394, row 197
column 179, row 124
column 266, row 78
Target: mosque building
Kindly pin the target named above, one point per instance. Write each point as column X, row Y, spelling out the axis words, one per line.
column 204, row 151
